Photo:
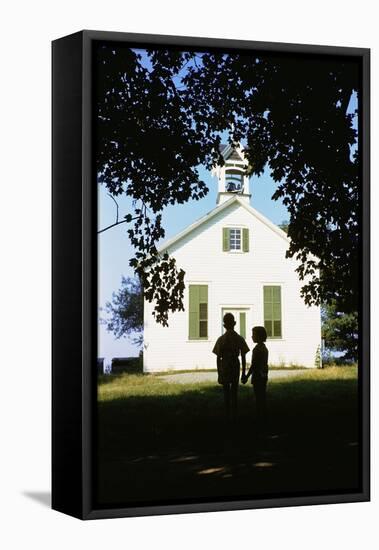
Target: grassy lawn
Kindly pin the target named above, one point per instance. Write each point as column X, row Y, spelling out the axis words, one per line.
column 165, row 441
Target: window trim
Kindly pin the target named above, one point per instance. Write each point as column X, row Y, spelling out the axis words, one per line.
column 242, row 229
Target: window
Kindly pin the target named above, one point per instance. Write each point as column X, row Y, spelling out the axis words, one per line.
column 203, row 320
column 198, row 312
column 272, row 306
column 235, row 239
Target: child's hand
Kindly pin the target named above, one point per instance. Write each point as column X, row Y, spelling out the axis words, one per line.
column 244, row 379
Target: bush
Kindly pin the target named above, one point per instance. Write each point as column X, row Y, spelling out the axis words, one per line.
column 131, row 365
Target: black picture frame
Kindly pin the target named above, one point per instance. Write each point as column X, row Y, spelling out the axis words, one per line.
column 74, row 293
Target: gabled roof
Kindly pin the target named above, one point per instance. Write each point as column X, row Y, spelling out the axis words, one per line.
column 217, row 210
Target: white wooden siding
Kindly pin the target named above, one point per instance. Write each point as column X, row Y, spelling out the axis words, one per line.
column 234, row 280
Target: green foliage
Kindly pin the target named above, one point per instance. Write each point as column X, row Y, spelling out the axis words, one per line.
column 291, row 112
column 126, row 311
column 161, row 117
column 318, row 359
column 340, row 331
column 284, row 226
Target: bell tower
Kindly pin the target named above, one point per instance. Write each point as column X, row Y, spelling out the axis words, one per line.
column 232, row 179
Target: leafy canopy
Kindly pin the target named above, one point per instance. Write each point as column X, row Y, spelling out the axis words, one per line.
column 160, row 115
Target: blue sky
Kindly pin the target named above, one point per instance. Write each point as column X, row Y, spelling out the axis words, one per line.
column 114, row 249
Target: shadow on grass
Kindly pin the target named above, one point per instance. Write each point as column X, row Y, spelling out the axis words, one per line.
column 177, row 444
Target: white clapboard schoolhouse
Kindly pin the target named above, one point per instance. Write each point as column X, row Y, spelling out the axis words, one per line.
column 234, row 261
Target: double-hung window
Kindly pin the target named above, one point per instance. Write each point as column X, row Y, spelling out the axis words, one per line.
column 235, row 239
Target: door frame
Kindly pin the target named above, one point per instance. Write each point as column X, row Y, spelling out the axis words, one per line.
column 247, row 308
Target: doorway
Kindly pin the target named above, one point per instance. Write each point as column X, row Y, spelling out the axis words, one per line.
column 241, row 317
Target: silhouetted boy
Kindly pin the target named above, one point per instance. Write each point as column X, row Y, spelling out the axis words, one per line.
column 258, row 371
column 228, row 348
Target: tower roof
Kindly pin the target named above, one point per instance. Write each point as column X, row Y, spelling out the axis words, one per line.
column 230, row 153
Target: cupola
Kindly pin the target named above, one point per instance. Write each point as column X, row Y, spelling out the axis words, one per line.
column 232, row 179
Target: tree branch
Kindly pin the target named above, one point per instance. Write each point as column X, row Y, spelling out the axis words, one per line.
column 113, row 225
column 116, row 203
column 117, row 223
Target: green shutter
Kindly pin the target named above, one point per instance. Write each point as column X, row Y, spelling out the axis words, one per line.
column 203, row 293
column 276, row 312
column 267, row 304
column 276, row 293
column 272, row 311
column 193, row 312
column 268, row 327
column 243, row 324
column 267, row 293
column 198, row 294
column 268, row 311
column 245, row 239
column 277, row 329
column 225, row 239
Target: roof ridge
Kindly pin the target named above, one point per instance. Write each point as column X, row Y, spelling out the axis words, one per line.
column 216, row 210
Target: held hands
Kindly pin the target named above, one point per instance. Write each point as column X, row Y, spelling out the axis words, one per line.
column 244, row 378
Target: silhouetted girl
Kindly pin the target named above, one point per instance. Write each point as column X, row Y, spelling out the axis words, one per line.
column 258, row 371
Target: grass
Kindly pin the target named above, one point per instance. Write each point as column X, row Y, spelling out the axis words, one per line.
column 159, row 440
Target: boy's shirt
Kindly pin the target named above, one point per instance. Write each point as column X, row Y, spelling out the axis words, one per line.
column 228, row 347
column 259, row 363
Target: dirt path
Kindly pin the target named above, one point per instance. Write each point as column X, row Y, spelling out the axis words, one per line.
column 211, row 376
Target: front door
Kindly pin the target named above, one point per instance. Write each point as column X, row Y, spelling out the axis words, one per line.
column 241, row 318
